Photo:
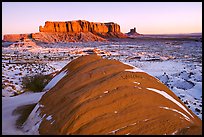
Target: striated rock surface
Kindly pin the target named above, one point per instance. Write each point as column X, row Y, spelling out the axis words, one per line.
column 52, row 37
column 16, row 37
column 71, row 31
column 80, row 26
column 24, row 43
column 92, row 95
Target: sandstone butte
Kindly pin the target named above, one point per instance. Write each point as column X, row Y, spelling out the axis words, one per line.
column 101, row 96
column 71, row 31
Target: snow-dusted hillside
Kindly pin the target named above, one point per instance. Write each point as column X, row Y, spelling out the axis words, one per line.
column 178, row 64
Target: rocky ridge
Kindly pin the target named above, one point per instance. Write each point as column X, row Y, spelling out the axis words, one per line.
column 71, row 31
column 109, row 98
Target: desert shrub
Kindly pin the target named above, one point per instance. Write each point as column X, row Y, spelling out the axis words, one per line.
column 23, row 112
column 35, row 83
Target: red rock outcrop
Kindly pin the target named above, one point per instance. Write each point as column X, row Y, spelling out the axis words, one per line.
column 71, row 31
column 133, row 32
column 80, row 26
column 15, row 37
column 99, row 96
column 52, row 37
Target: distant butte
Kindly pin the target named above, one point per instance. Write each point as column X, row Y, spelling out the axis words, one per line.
column 133, row 32
column 71, row 31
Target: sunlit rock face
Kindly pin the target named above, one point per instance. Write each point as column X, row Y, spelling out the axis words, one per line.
column 80, row 26
column 16, row 37
column 79, row 30
column 71, row 31
column 92, row 95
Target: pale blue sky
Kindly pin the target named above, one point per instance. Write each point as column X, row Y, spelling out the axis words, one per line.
column 147, row 17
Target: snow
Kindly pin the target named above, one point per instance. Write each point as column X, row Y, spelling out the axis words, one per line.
column 146, row 120
column 177, row 66
column 9, row 104
column 55, row 80
column 135, row 69
column 114, row 131
column 158, row 68
column 133, row 124
column 105, row 92
column 187, row 118
column 195, row 91
column 170, row 98
column 59, row 64
column 174, row 132
column 49, row 118
column 136, row 83
column 52, row 122
column 31, row 126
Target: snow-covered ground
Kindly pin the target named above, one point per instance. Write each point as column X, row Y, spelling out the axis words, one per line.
column 177, row 64
column 9, row 104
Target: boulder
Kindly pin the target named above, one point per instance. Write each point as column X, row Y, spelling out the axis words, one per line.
column 92, row 95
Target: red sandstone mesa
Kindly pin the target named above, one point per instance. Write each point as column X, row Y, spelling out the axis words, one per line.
column 80, row 26
column 72, row 31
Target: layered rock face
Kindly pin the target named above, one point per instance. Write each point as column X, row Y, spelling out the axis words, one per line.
column 71, row 31
column 16, row 37
column 80, row 26
column 80, row 30
column 24, row 43
column 52, row 37
column 92, row 95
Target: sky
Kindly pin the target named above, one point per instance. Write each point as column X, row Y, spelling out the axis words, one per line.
column 147, row 17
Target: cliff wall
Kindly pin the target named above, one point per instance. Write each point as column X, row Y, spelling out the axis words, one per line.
column 71, row 31
column 16, row 37
column 80, row 26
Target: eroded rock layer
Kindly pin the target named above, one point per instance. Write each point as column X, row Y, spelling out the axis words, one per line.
column 100, row 96
column 52, row 37
column 71, row 31
column 80, row 26
column 16, row 37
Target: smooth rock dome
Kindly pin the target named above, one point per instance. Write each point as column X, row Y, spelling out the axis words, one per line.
column 100, row 96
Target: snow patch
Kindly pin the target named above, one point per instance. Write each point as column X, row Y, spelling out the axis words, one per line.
column 33, row 122
column 49, row 117
column 135, row 69
column 9, row 104
column 136, row 83
column 52, row 122
column 146, row 120
column 105, row 92
column 170, row 98
column 187, row 118
column 55, row 80
column 174, row 132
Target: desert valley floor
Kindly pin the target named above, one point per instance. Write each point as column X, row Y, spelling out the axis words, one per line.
column 177, row 64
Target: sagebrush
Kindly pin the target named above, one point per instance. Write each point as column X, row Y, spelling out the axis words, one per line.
column 35, row 83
